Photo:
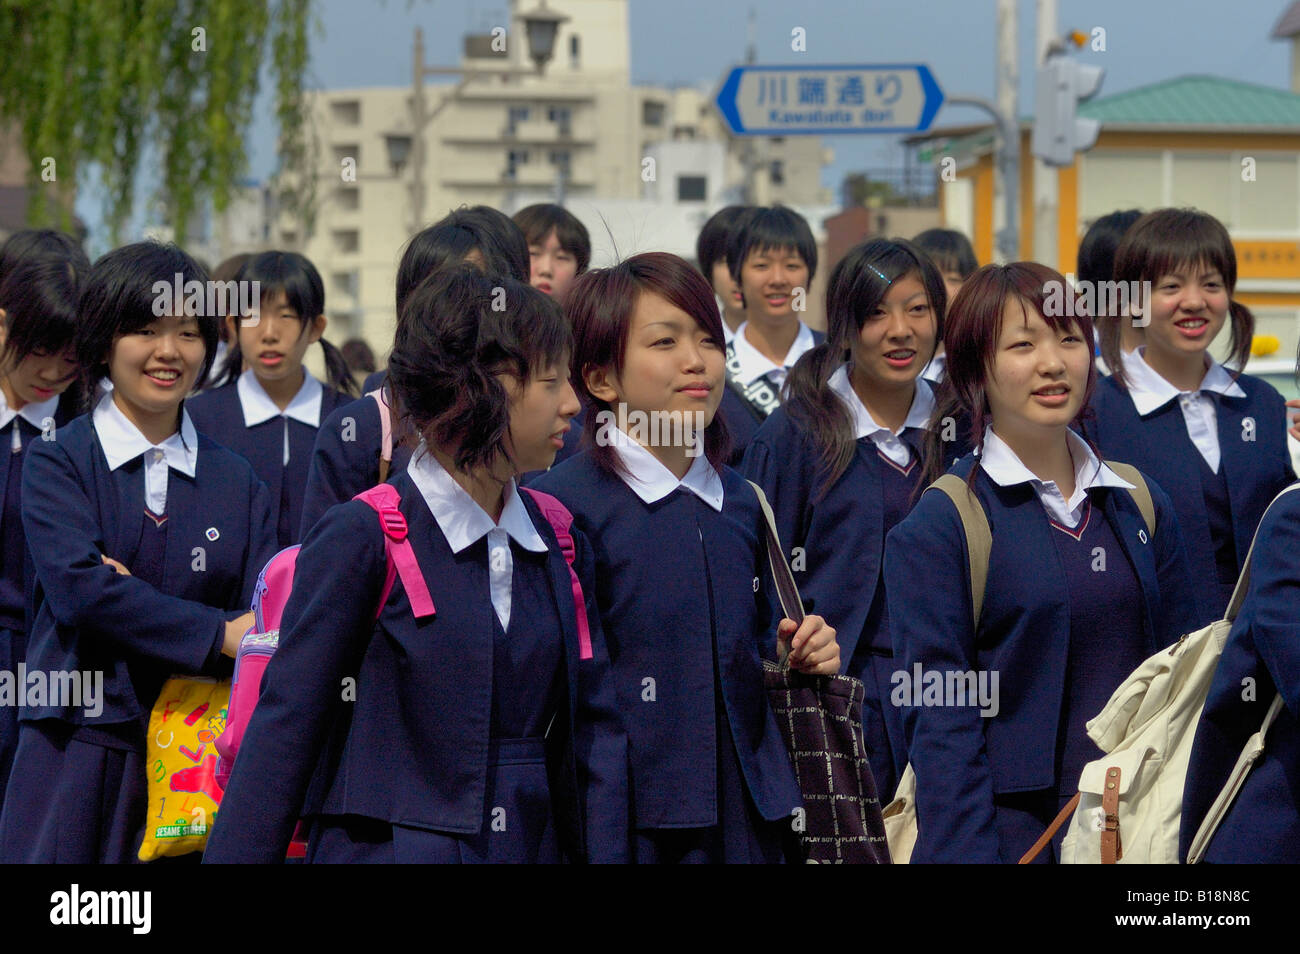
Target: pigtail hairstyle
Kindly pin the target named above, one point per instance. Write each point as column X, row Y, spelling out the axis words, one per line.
column 304, row 292
column 41, row 276
column 974, row 327
column 601, row 304
column 1162, row 242
column 120, row 295
column 858, row 284
column 452, row 344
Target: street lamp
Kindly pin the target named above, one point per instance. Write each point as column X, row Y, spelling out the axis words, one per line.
column 541, row 26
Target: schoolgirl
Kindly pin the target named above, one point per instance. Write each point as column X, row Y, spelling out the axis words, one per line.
column 840, row 460
column 711, row 256
column 443, row 752
column 40, row 278
column 270, row 412
column 772, row 257
column 147, row 539
column 685, row 599
column 349, row 444
column 1259, row 664
column 1079, row 591
column 226, row 271
column 1096, row 264
column 954, row 256
column 559, row 248
column 1214, row 439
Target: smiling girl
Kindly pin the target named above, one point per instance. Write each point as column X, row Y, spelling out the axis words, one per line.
column 40, row 278
column 269, row 413
column 1214, row 439
column 840, row 460
column 685, row 598
column 1078, row 591
column 147, row 539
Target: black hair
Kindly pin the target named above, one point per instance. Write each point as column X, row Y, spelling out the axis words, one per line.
column 858, row 283
column 537, row 221
column 43, row 244
column 1096, row 259
column 453, row 338
column 479, row 228
column 296, row 277
column 119, row 297
column 358, row 354
column 950, row 249
column 776, row 228
column 711, row 246
column 40, row 286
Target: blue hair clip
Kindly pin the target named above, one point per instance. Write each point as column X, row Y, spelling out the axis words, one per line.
column 880, row 273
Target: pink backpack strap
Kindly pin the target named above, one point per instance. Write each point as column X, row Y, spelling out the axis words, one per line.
column 558, row 516
column 401, row 557
column 385, row 423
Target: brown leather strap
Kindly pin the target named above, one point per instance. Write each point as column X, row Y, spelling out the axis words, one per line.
column 1111, row 849
column 1052, row 829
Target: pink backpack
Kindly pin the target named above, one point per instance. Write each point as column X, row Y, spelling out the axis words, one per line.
column 275, row 583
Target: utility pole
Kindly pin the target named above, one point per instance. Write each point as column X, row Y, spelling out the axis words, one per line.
column 1046, row 192
column 1007, row 175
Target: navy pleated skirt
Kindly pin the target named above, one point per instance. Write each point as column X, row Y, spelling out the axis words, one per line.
column 72, row 801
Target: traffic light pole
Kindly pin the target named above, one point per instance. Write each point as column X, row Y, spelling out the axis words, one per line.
column 1008, row 163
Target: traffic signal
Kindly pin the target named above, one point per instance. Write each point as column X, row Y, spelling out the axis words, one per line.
column 1059, row 133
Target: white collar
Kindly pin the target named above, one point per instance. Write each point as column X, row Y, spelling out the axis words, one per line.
column 1149, row 391
column 1006, row 469
column 33, row 413
column 462, row 521
column 258, row 406
column 864, row 425
column 652, row 481
column 754, row 364
column 123, row 442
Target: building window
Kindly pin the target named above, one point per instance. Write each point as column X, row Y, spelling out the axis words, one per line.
column 777, row 172
column 348, row 199
column 653, row 112
column 347, row 241
column 574, row 50
column 518, row 114
column 562, row 116
column 346, row 112
column 350, row 151
column 514, row 159
column 347, row 284
column 560, row 158
column 289, row 237
column 692, row 188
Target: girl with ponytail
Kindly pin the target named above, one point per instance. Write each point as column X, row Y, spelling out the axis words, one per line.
column 840, row 460
column 1214, row 438
column 269, row 413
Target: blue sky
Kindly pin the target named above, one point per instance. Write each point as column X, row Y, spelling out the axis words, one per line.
column 676, row 42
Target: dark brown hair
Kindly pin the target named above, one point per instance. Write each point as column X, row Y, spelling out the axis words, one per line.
column 1161, row 242
column 600, row 306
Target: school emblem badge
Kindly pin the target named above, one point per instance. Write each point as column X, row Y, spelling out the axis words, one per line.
column 213, row 534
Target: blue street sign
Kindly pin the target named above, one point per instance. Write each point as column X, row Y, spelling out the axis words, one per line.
column 827, row 100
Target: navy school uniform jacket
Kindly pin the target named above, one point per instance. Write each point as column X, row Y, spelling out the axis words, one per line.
column 413, row 747
column 669, row 574
column 842, row 535
column 963, row 760
column 345, row 459
column 1260, row 658
column 743, row 419
column 1253, row 457
column 88, row 617
column 220, row 415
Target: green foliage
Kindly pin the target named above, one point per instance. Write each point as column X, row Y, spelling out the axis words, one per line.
column 100, row 81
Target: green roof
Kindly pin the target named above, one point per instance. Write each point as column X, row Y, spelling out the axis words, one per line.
column 1200, row 101
column 1186, row 102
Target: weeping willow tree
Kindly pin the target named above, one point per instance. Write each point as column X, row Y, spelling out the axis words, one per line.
column 107, row 83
